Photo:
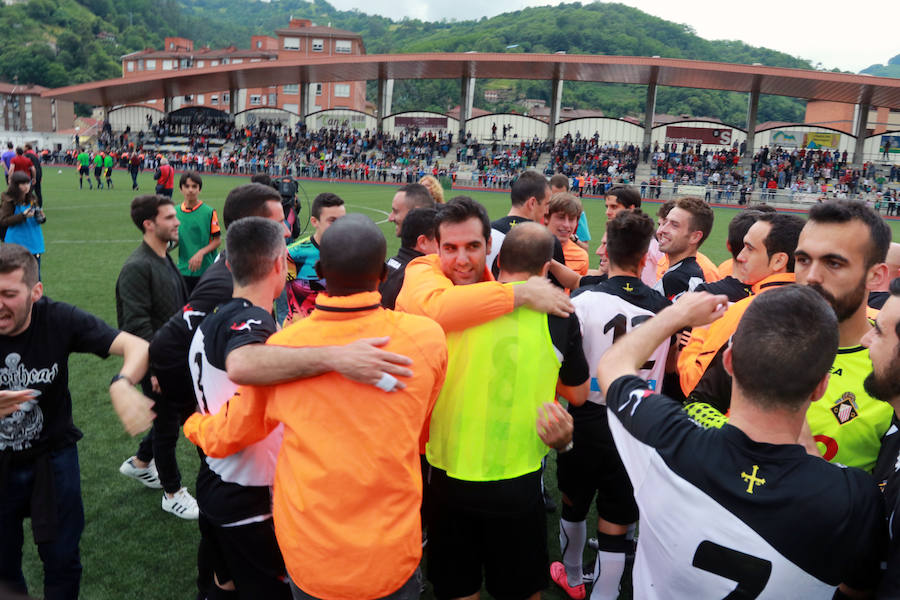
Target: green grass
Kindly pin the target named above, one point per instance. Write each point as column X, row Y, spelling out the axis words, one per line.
column 131, row 548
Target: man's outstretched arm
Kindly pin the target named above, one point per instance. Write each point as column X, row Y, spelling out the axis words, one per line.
column 626, row 356
column 361, row 361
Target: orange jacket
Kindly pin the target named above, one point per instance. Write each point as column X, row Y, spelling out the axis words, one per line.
column 726, row 268
column 427, row 291
column 348, row 480
column 706, row 342
column 576, row 257
column 710, row 272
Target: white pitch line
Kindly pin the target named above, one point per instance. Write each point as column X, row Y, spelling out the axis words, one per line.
column 378, row 210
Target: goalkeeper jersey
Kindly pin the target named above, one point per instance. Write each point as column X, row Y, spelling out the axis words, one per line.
column 846, row 422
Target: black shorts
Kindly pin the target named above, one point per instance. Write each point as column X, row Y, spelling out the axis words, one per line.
column 83, row 170
column 108, row 172
column 248, row 555
column 497, row 528
column 592, row 467
column 98, row 171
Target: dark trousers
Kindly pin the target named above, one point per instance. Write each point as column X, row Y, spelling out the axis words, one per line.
column 36, row 188
column 172, row 408
column 134, row 174
column 61, row 558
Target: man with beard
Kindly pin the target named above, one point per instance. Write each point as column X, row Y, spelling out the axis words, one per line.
column 883, row 342
column 841, row 254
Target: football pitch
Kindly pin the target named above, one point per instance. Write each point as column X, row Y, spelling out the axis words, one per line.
column 130, row 547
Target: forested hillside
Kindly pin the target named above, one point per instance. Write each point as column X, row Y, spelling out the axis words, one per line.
column 60, row 42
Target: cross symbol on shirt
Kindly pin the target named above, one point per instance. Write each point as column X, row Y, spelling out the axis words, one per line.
column 752, row 479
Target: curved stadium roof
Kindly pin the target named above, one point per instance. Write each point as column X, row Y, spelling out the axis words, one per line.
column 796, row 83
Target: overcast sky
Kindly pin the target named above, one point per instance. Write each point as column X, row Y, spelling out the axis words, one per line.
column 845, row 36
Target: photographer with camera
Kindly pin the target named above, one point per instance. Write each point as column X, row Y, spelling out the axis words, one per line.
column 21, row 217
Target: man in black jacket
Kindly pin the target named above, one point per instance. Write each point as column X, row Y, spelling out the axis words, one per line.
column 416, row 239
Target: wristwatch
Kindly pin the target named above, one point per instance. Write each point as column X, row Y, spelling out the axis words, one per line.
column 119, row 376
column 568, row 447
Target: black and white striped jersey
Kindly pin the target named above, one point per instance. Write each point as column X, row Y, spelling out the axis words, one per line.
column 723, row 516
column 609, row 310
column 234, row 324
column 683, row 276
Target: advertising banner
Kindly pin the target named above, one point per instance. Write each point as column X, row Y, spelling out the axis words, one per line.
column 787, row 139
column 676, row 134
column 421, row 122
column 821, row 140
column 339, row 121
column 892, row 142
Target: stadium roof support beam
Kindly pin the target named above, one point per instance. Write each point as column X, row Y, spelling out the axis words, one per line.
column 385, row 99
column 167, row 104
column 232, row 101
column 650, row 107
column 467, row 94
column 752, row 110
column 555, row 102
column 862, row 122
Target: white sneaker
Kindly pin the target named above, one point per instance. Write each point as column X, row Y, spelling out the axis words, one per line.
column 148, row 475
column 182, row 504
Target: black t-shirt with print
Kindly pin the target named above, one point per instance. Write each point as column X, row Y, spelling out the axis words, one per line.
column 38, row 359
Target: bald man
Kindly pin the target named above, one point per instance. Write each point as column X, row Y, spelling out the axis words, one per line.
column 879, row 296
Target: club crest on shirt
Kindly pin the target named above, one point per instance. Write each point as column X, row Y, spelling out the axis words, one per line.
column 845, row 409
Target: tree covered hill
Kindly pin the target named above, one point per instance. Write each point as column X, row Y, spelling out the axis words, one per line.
column 891, row 69
column 61, row 42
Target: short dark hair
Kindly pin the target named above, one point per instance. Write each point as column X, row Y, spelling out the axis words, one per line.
column 738, row 228
column 526, row 249
column 252, row 244
column 248, row 201
column 844, row 211
column 14, row 256
column 560, row 181
column 665, row 208
column 628, row 237
column 323, row 200
column 799, row 331
column 527, row 185
column 565, row 203
column 625, row 195
column 147, row 207
column 193, row 176
column 459, row 210
column 701, row 215
column 352, row 253
column 783, row 235
column 418, row 221
column 262, row 178
column 416, row 195
column 19, row 150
